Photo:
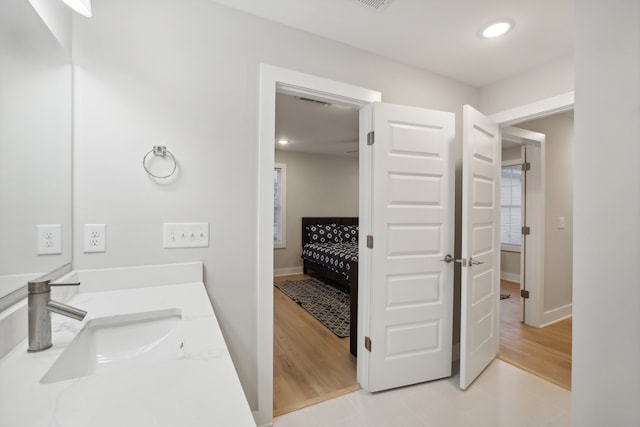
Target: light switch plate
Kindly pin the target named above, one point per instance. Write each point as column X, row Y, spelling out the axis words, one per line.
column 562, row 222
column 185, row 235
column 49, row 239
column 95, row 238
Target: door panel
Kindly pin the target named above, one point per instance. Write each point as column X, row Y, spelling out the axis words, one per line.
column 480, row 287
column 412, row 222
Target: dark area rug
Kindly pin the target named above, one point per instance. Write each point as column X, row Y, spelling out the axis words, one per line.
column 326, row 303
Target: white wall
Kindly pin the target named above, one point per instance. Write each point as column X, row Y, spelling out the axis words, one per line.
column 558, row 253
column 512, row 153
column 186, row 74
column 510, row 266
column 546, row 81
column 57, row 17
column 606, row 295
column 317, row 185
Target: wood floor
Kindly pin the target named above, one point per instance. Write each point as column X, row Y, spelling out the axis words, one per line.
column 310, row 363
column 545, row 352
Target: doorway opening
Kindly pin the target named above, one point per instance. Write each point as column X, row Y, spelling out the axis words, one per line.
column 315, row 176
column 278, row 80
column 542, row 343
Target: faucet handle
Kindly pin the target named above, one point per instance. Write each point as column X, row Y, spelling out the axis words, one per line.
column 65, row 284
column 41, row 286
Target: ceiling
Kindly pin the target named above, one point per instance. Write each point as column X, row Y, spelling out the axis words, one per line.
column 436, row 35
column 440, row 36
column 314, row 127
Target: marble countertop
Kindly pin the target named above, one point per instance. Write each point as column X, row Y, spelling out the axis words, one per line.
column 199, row 389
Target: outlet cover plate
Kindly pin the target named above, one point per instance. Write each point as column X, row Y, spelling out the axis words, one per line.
column 185, row 235
column 49, row 239
column 95, row 238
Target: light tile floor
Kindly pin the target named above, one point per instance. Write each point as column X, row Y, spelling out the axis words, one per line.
column 503, row 396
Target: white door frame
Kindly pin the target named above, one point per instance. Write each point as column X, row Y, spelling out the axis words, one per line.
column 534, row 273
column 274, row 79
column 535, row 110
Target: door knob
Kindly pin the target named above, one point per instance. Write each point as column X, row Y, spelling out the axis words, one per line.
column 474, row 262
column 447, row 258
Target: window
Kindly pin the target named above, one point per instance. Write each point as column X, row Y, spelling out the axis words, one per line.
column 511, row 212
column 279, row 206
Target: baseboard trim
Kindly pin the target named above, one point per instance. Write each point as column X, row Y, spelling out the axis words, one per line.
column 277, row 272
column 557, row 314
column 512, row 277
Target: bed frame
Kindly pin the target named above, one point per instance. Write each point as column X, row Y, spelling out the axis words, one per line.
column 333, row 277
column 311, row 267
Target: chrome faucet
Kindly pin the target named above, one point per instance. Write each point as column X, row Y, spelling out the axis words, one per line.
column 40, row 306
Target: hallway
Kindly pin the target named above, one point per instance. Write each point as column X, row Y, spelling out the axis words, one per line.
column 545, row 352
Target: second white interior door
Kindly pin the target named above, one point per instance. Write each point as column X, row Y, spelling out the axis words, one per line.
column 480, row 287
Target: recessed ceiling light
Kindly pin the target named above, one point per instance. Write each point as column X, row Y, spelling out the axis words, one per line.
column 283, row 141
column 496, row 29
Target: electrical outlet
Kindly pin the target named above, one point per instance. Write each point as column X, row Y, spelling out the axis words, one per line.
column 95, row 238
column 49, row 239
column 186, row 235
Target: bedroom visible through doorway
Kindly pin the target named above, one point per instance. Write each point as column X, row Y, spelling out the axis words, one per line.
column 311, row 363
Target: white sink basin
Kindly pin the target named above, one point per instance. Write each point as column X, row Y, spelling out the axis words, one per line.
column 120, row 342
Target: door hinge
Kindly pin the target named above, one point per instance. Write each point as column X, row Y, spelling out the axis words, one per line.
column 370, row 138
column 370, row 241
column 526, row 230
column 526, row 166
column 524, row 293
column 367, row 343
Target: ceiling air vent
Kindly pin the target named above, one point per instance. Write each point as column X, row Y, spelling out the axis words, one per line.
column 377, row 5
column 301, row 98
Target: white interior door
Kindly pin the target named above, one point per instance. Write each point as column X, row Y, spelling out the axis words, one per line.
column 480, row 293
column 408, row 325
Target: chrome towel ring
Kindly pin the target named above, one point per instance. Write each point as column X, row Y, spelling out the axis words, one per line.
column 159, row 150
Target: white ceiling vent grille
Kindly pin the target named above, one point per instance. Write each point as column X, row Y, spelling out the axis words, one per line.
column 377, row 5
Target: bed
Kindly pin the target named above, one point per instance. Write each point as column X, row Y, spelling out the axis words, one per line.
column 328, row 246
column 330, row 252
